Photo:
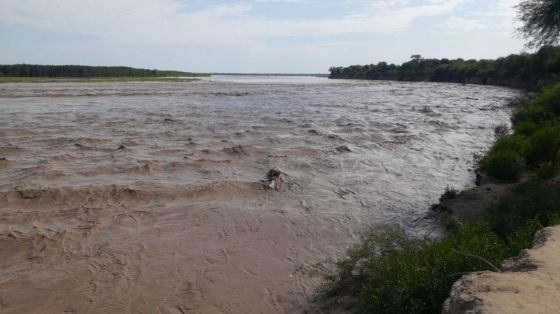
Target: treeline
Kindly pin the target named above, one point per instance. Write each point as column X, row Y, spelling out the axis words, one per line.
column 33, row 70
column 516, row 70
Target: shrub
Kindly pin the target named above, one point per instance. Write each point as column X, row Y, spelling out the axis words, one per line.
column 390, row 273
column 544, row 146
column 450, row 193
column 527, row 201
column 501, row 130
column 505, row 160
column 554, row 219
column 416, row 277
column 532, row 113
column 513, row 143
column 526, row 128
column 522, row 237
column 503, row 165
column 546, row 171
column 549, row 98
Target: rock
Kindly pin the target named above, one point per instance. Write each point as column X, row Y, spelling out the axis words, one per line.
column 343, row 149
column 529, row 283
column 236, row 150
column 28, row 193
column 343, row 192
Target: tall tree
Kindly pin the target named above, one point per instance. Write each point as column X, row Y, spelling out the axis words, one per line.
column 541, row 22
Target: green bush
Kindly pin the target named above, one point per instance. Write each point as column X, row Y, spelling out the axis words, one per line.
column 522, row 237
column 544, row 146
column 536, row 200
column 513, row 143
column 549, row 98
column 503, row 165
column 526, row 128
column 546, row 171
column 505, row 161
column 532, row 113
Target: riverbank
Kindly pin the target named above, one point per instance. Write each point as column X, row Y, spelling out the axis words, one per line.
column 388, row 271
column 523, row 71
column 94, row 79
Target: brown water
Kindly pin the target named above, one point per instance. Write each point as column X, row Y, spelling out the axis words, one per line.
column 147, row 197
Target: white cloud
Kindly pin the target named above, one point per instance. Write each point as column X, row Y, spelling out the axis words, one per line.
column 165, row 22
column 234, row 37
column 464, row 24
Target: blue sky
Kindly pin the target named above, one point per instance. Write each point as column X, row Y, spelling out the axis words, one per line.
column 285, row 36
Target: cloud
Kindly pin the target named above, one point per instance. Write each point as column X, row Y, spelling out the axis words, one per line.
column 165, row 22
column 464, row 24
column 248, row 35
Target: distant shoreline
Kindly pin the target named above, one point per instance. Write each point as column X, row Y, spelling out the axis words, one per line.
column 273, row 74
column 28, row 79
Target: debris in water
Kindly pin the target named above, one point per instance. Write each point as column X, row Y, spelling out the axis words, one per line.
column 28, row 193
column 343, row 149
column 343, row 192
column 275, row 180
column 478, row 179
column 238, row 150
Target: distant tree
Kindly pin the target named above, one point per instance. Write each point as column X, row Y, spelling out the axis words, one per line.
column 541, row 22
column 34, row 70
column 416, row 58
column 521, row 70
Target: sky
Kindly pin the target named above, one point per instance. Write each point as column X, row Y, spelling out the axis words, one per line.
column 253, row 36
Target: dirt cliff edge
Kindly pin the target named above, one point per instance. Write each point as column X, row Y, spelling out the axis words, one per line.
column 529, row 283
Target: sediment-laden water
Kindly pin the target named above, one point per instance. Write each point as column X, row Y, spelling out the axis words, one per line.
column 148, row 197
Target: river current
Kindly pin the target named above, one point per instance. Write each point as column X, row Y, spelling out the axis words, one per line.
column 150, row 196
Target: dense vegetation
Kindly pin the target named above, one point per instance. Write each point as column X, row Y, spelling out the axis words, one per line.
column 32, row 70
column 517, row 70
column 534, row 148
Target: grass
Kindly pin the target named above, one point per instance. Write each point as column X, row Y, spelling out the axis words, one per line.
column 94, row 79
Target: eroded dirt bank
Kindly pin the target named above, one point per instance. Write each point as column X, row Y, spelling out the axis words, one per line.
column 147, row 197
column 529, row 283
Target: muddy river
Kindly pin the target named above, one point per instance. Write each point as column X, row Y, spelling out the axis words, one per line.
column 149, row 197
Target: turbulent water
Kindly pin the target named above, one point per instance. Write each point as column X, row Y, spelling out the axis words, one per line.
column 149, row 197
